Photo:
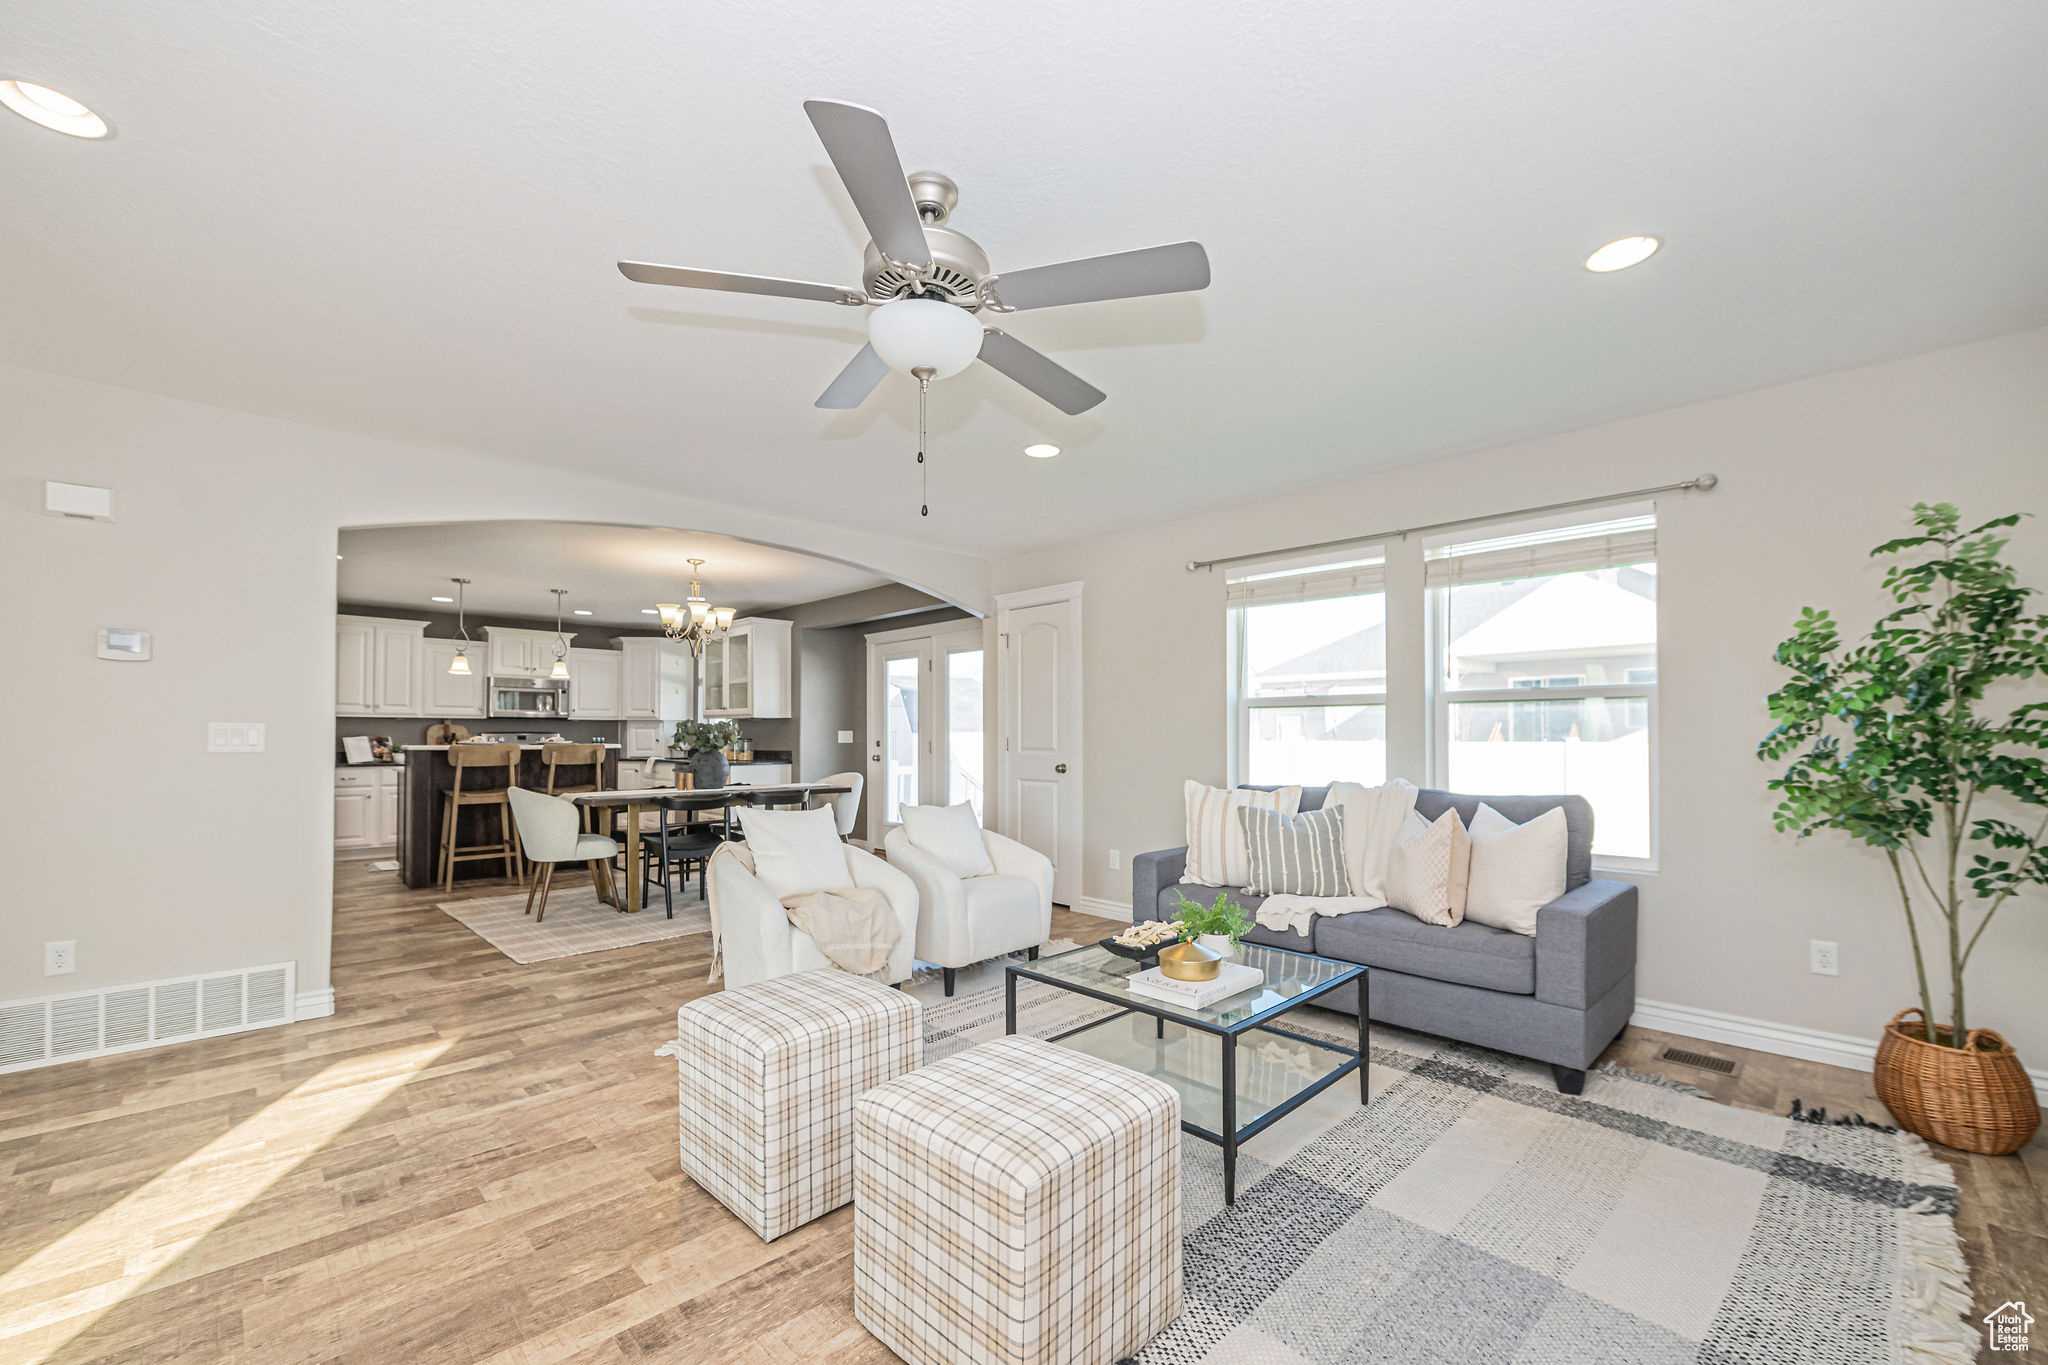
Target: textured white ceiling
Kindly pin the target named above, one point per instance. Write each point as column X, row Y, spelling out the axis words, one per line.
column 613, row 571
column 403, row 220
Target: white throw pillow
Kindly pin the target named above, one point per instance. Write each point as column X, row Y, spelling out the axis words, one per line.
column 952, row 835
column 1516, row 869
column 1216, row 849
column 1426, row 876
column 797, row 851
column 1373, row 820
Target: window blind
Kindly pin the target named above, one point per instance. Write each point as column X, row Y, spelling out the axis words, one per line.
column 1256, row 585
column 1532, row 554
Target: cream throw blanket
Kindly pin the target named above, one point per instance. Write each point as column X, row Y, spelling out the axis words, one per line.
column 1373, row 817
column 852, row 925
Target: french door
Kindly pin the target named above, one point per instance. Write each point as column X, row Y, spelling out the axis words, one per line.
column 925, row 725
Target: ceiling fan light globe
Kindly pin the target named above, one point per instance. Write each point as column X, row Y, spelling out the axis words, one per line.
column 910, row 334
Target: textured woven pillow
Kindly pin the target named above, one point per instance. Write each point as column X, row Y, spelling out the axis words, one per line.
column 1427, row 875
column 1216, row 855
column 1300, row 855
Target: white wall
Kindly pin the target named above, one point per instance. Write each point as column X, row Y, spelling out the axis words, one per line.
column 1812, row 475
column 117, row 829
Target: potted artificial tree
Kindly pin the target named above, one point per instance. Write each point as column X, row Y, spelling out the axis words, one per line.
column 1924, row 741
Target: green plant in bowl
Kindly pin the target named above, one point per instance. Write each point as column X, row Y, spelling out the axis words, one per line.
column 1225, row 917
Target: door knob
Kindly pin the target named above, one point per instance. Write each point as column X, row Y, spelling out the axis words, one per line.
column 1059, row 767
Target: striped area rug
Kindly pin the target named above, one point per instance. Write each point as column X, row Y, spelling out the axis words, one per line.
column 577, row 922
column 1473, row 1213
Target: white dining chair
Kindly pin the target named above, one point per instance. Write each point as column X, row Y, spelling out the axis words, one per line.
column 846, row 805
column 551, row 832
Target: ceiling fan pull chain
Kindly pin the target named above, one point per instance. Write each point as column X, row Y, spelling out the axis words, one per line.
column 924, row 469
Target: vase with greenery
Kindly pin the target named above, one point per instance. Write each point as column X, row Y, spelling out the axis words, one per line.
column 704, row 743
column 1924, row 740
column 1225, row 920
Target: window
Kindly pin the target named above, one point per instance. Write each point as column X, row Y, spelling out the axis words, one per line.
column 1309, row 648
column 1570, row 613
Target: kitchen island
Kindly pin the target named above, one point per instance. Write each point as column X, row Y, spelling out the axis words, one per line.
column 428, row 776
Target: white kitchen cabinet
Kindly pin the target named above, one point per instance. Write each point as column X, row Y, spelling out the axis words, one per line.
column 644, row 738
column 658, row 678
column 746, row 674
column 366, row 807
column 518, row 653
column 377, row 666
column 451, row 694
column 355, row 657
column 595, row 679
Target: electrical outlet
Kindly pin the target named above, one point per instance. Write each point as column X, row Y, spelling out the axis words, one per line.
column 1116, row 859
column 1823, row 958
column 60, row 959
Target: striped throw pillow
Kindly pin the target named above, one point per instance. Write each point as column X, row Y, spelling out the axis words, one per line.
column 1299, row 855
column 1215, row 840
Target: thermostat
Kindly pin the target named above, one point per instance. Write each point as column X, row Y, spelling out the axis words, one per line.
column 118, row 642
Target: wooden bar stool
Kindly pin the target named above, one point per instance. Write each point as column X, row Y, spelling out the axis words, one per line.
column 480, row 757
column 575, row 756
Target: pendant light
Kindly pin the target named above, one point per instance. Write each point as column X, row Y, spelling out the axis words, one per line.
column 695, row 621
column 459, row 665
column 561, row 668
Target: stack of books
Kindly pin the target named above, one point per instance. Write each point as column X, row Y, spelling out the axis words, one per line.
column 1232, row 978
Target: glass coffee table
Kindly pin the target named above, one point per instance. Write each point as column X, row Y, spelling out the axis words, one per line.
column 1236, row 1072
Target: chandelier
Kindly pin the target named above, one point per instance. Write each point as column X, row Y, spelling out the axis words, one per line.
column 696, row 620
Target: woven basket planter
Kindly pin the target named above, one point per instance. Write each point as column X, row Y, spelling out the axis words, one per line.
column 1976, row 1098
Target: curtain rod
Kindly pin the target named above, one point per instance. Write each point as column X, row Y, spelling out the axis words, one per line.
column 1700, row 484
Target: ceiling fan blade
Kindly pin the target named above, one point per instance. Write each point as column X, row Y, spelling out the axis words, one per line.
column 643, row 273
column 864, row 154
column 1127, row 274
column 856, row 381
column 1054, row 383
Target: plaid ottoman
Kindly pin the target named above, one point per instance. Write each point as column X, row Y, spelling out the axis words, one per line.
column 768, row 1075
column 1018, row 1202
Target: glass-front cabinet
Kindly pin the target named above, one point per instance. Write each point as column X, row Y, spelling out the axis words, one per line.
column 746, row 673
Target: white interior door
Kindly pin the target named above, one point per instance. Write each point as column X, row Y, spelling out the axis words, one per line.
column 1039, row 707
column 900, row 750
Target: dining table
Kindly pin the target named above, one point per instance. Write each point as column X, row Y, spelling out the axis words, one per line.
column 636, row 803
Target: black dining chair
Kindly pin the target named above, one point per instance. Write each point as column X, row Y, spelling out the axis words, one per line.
column 674, row 849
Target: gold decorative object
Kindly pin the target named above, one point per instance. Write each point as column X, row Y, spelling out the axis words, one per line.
column 1189, row 962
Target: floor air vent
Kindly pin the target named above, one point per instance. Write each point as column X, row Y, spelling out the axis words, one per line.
column 1705, row 1061
column 66, row 1028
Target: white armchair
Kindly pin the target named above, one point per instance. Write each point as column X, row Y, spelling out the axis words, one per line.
column 755, row 936
column 965, row 920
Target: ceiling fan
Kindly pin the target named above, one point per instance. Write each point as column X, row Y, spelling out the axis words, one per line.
column 927, row 282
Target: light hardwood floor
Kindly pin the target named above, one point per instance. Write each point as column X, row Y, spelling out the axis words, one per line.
column 516, row 1198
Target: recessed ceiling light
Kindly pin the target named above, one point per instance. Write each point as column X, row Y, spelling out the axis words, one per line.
column 1041, row 451
column 649, row 611
column 440, row 599
column 579, row 611
column 1622, row 254
column 60, row 113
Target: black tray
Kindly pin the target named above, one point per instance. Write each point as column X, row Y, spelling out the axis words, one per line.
column 1147, row 956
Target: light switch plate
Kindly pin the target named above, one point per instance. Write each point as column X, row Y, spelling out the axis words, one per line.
column 846, row 736
column 124, row 643
column 234, row 737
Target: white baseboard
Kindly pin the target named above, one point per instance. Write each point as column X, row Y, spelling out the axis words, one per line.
column 313, row 1004
column 1783, row 1040
column 1106, row 909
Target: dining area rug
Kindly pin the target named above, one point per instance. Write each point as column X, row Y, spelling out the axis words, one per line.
column 1472, row 1212
column 577, row 922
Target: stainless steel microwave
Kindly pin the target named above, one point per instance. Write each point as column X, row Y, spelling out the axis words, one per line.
column 529, row 697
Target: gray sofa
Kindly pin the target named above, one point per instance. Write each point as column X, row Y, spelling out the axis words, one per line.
column 1559, row 997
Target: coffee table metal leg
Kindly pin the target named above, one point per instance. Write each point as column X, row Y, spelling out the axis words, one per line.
column 1364, row 1038
column 1009, row 1003
column 1230, row 1118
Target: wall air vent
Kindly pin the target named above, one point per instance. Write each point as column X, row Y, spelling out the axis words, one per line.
column 67, row 1028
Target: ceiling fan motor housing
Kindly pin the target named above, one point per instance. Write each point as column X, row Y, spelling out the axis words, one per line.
column 959, row 265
